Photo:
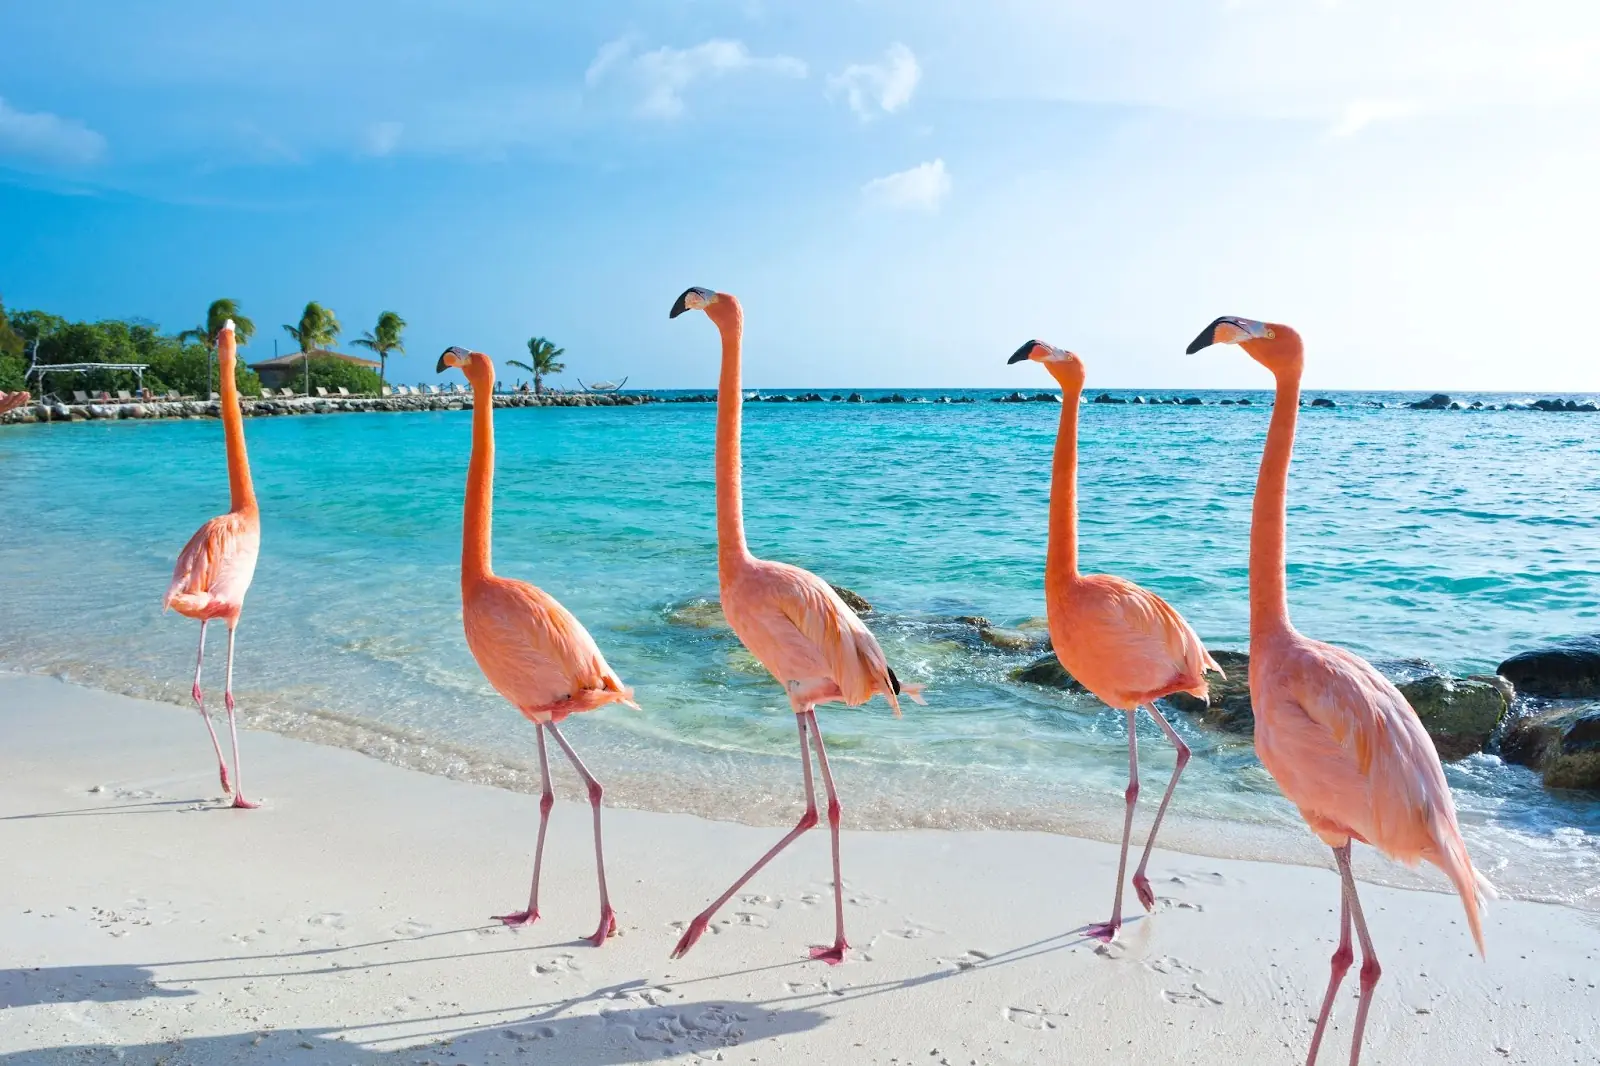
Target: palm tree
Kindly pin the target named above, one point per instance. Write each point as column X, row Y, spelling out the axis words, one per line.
column 317, row 329
column 218, row 313
column 544, row 362
column 384, row 339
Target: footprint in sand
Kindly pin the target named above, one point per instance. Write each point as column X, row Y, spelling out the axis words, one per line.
column 757, row 899
column 820, row 987
column 410, row 927
column 754, row 921
column 329, row 920
column 863, row 899
column 557, row 966
column 967, row 960
column 1169, row 903
column 1194, row 997
column 914, row 931
column 134, row 793
column 536, row 1032
column 1169, row 964
column 639, row 997
column 1037, row 1020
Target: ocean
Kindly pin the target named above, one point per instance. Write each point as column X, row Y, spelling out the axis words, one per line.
column 1457, row 538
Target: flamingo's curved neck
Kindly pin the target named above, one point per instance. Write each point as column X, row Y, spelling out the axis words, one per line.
column 478, row 520
column 731, row 548
column 1061, row 556
column 241, row 490
column 1269, row 599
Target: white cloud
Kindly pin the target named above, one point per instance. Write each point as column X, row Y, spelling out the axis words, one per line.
column 51, row 138
column 663, row 75
column 922, row 188
column 382, row 138
column 1359, row 114
column 886, row 86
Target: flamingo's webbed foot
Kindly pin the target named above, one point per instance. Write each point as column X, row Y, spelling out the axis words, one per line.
column 834, row 955
column 690, row 935
column 1141, row 885
column 519, row 919
column 608, row 928
column 1105, row 932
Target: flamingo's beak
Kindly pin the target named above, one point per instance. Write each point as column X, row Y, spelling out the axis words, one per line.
column 1040, row 352
column 1230, row 330
column 452, row 356
column 1024, row 352
column 693, row 299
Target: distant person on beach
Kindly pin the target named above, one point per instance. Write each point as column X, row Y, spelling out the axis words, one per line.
column 10, row 401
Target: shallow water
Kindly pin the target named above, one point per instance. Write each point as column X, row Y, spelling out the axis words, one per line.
column 1455, row 537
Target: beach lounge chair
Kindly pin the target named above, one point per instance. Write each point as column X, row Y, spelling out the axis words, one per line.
column 215, row 397
column 79, row 396
column 124, row 396
column 172, row 396
column 433, row 390
column 344, row 393
column 386, row 391
column 322, row 392
column 286, row 392
column 266, row 394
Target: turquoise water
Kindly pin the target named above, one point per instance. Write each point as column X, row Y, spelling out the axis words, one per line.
column 1454, row 537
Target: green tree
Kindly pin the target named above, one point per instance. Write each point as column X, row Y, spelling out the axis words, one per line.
column 385, row 338
column 330, row 373
column 317, row 329
column 216, row 315
column 543, row 355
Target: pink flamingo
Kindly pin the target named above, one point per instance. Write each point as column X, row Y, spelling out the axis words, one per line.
column 531, row 649
column 1342, row 742
column 10, row 401
column 1121, row 642
column 215, row 567
column 790, row 619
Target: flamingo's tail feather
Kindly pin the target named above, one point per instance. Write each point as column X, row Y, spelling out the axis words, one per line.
column 915, row 692
column 1474, row 889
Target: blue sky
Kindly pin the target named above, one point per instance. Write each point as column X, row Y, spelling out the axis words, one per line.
column 900, row 192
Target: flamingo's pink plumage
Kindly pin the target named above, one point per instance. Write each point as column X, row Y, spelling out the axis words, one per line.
column 1339, row 738
column 1123, row 643
column 215, row 568
column 791, row 620
column 529, row 647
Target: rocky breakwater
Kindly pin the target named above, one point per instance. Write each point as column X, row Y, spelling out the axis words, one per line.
column 300, row 405
column 1460, row 714
column 1558, row 735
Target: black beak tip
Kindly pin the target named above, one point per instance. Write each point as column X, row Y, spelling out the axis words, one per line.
column 680, row 305
column 1206, row 339
column 442, row 366
column 1021, row 353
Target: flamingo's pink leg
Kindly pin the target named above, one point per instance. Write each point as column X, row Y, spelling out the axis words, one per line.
column 547, row 799
column 608, row 917
column 1141, row 883
column 1106, row 932
column 1370, row 970
column 200, row 702
column 807, row 820
column 227, row 698
column 834, row 955
column 1339, row 965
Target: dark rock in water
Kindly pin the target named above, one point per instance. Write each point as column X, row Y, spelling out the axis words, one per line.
column 1323, row 401
column 1140, row 399
column 1459, row 714
column 1227, row 707
column 777, row 399
column 1047, row 671
column 1454, row 406
column 1562, row 744
column 852, row 600
column 835, row 398
column 1584, row 407
column 1570, row 669
column 1044, row 397
column 1227, row 403
column 1477, row 405
column 698, row 614
column 1193, row 401
column 1244, row 402
column 1437, row 402
column 854, row 397
column 1106, row 397
column 977, row 621
column 1013, row 639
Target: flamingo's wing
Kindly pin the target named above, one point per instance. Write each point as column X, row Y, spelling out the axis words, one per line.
column 1362, row 758
column 1147, row 635
column 216, row 565
column 831, row 630
column 526, row 641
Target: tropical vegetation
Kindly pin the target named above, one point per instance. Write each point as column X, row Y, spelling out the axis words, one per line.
column 383, row 339
column 543, row 355
column 217, row 315
column 317, row 329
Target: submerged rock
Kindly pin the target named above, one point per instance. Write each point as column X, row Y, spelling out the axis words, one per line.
column 1013, row 639
column 1437, row 402
column 1047, row 671
column 698, row 614
column 1562, row 744
column 1459, row 714
column 852, row 600
column 1227, row 706
column 1323, row 401
column 1565, row 670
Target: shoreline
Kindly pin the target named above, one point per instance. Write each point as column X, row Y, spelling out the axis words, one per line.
column 347, row 919
column 117, row 410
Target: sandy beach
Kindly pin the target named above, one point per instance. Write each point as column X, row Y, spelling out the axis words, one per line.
column 346, row 922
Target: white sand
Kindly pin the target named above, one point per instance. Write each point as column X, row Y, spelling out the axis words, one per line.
column 345, row 922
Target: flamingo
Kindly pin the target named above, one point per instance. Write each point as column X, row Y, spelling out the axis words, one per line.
column 1121, row 642
column 10, row 401
column 791, row 620
column 529, row 647
column 1339, row 738
column 214, row 569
